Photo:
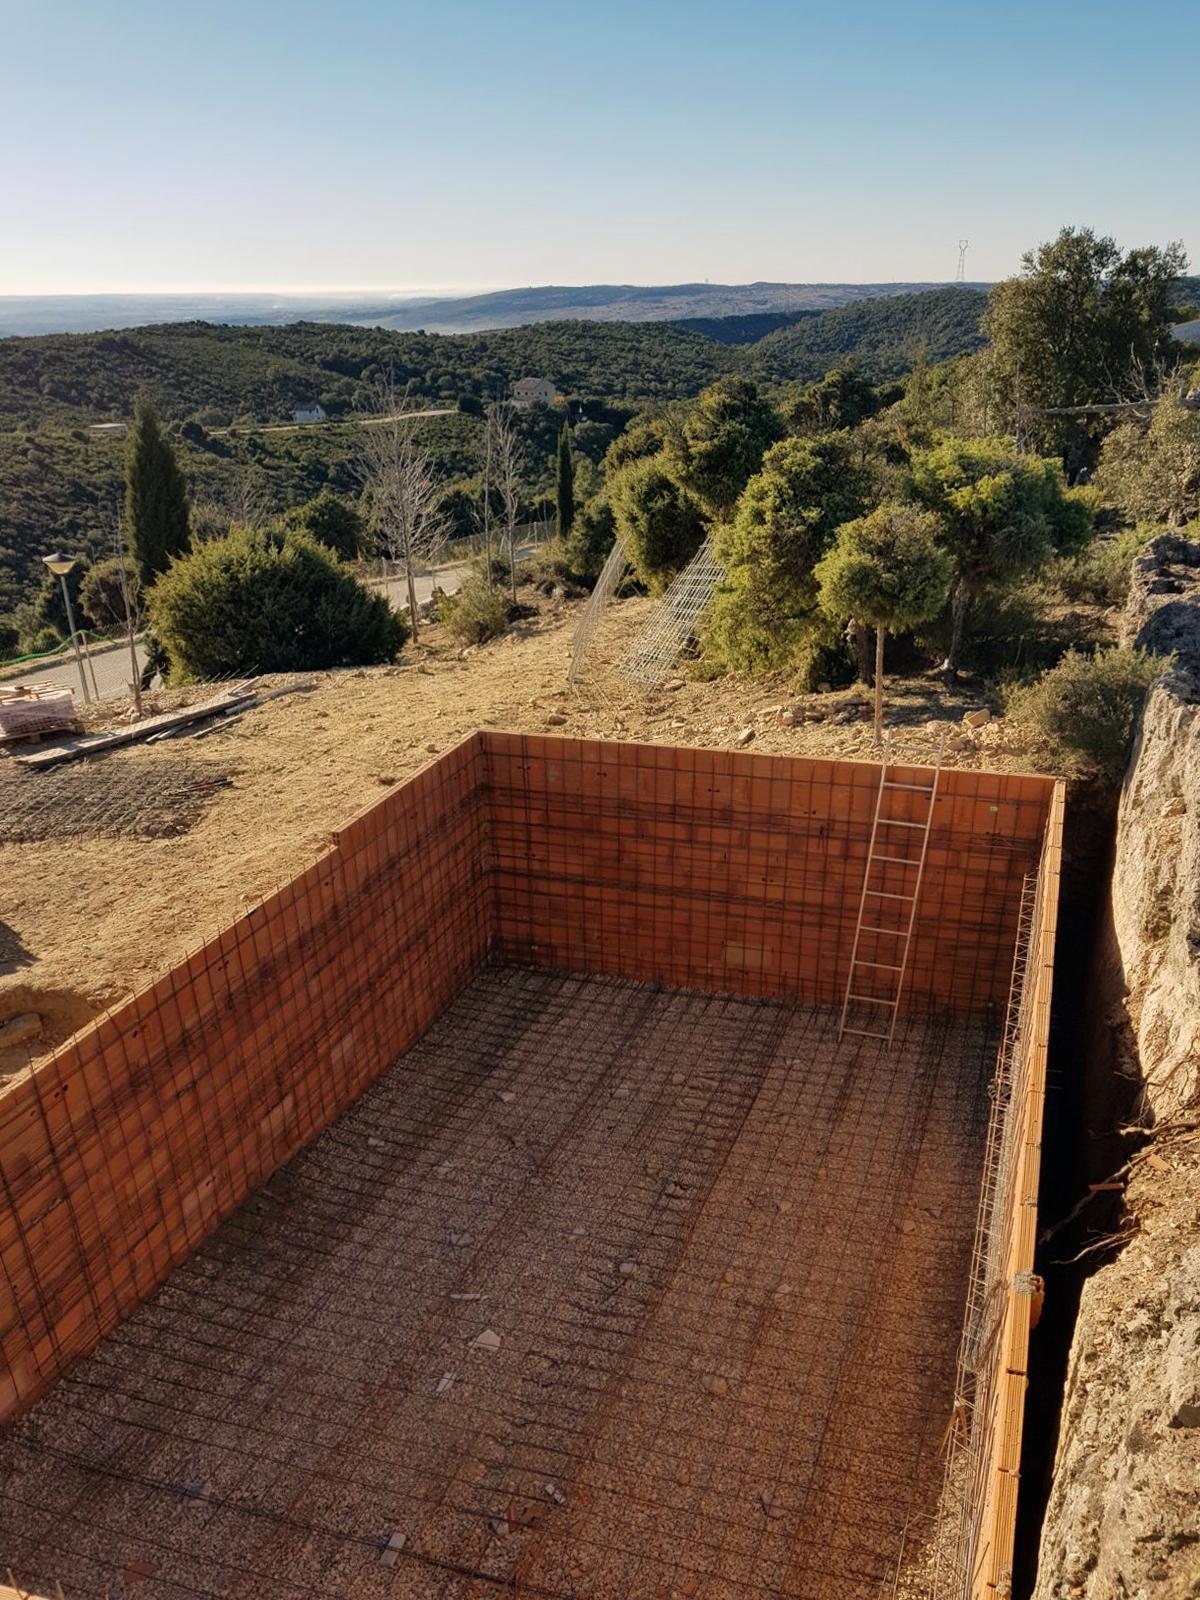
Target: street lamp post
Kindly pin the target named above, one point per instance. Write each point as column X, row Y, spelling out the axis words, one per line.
column 60, row 565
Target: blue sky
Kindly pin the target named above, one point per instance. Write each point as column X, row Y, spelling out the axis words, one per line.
column 384, row 143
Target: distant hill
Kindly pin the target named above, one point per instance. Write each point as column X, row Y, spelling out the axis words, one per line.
column 747, row 329
column 221, row 375
column 503, row 308
column 881, row 337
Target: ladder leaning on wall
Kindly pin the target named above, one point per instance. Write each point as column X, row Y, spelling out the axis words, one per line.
column 876, row 903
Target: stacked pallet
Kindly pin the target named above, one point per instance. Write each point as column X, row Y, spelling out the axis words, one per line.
column 29, row 709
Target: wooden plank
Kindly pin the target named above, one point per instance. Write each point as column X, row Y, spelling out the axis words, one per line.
column 136, row 732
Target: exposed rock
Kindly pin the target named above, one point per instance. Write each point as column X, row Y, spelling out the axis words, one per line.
column 977, row 719
column 745, row 736
column 1123, row 1517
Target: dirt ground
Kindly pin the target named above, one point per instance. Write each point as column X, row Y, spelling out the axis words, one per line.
column 602, row 1291
column 152, row 849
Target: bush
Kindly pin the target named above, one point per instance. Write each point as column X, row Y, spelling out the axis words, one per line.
column 477, row 612
column 662, row 523
column 1098, row 575
column 101, row 597
column 333, row 522
column 554, row 565
column 268, row 600
column 1084, row 708
column 43, row 641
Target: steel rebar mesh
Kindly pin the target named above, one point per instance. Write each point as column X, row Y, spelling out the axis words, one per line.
column 653, row 652
column 721, row 1252
column 607, row 584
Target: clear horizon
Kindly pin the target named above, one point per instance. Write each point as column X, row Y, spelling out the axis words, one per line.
column 271, row 148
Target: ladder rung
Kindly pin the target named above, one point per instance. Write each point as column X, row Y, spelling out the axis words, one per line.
column 916, row 788
column 882, row 894
column 898, row 822
column 884, row 966
column 872, row 1000
column 892, row 933
column 862, row 1033
column 899, row 861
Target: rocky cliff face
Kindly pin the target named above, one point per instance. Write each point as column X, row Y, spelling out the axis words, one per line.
column 1124, row 1512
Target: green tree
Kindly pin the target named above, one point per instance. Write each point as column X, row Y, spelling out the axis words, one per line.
column 564, row 483
column 1003, row 513
column 661, row 522
column 333, row 522
column 1153, row 473
column 786, row 516
column 888, row 570
column 103, row 592
column 268, row 600
column 645, row 436
column 1081, row 325
column 720, row 446
column 156, row 507
column 841, row 399
column 592, row 537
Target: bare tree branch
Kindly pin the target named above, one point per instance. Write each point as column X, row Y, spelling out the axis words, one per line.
column 398, row 473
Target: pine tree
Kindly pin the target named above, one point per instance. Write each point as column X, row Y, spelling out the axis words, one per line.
column 156, row 509
column 564, row 483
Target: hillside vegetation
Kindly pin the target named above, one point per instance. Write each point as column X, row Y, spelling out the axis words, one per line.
column 880, row 337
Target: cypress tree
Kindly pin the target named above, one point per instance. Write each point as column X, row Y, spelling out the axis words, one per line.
column 564, row 483
column 156, row 509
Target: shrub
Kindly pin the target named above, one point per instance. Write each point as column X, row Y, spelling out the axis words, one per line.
column 662, row 523
column 268, row 600
column 1100, row 573
column 333, row 522
column 1084, row 708
column 476, row 612
column 553, row 565
column 43, row 641
column 102, row 598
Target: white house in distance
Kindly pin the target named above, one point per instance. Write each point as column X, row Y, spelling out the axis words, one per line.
column 309, row 414
column 528, row 392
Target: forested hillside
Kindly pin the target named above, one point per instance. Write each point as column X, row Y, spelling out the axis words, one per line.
column 880, row 337
column 220, row 375
column 59, row 481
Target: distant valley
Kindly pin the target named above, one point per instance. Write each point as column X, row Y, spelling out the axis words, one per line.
column 503, row 308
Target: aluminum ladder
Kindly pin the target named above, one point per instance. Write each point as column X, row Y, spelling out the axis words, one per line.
column 867, row 983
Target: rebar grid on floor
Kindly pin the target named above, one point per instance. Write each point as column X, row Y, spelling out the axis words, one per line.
column 724, row 1255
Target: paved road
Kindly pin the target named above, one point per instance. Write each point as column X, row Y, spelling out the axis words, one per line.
column 111, row 662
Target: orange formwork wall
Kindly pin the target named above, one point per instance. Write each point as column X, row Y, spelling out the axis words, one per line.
column 723, row 871
column 741, row 873
column 124, row 1149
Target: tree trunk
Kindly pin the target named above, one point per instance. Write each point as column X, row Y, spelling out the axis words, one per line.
column 860, row 643
column 412, row 588
column 512, row 560
column 878, row 687
column 960, row 601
